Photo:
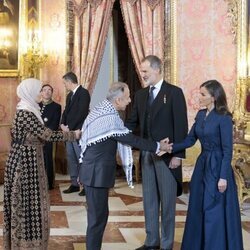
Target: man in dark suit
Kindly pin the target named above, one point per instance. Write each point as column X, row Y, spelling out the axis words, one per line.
column 160, row 111
column 74, row 114
column 102, row 131
column 51, row 114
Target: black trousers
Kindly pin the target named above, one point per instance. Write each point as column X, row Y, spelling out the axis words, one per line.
column 97, row 216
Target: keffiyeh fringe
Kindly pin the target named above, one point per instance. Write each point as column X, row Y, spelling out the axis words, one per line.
column 102, row 123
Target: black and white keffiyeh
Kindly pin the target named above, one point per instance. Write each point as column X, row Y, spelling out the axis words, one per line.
column 102, row 123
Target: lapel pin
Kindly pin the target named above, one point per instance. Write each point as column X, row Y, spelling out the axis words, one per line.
column 164, row 99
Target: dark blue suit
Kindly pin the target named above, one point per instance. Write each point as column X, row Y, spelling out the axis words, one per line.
column 213, row 218
column 74, row 114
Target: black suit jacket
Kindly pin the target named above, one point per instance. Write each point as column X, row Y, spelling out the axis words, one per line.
column 51, row 115
column 99, row 162
column 168, row 118
column 76, row 110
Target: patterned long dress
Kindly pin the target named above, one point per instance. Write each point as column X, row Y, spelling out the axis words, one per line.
column 26, row 201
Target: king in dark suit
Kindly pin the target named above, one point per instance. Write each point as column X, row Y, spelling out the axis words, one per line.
column 51, row 115
column 74, row 114
column 160, row 111
column 103, row 131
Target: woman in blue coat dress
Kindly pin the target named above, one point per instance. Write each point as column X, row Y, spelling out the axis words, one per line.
column 213, row 218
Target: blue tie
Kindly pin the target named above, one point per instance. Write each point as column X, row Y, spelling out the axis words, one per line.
column 151, row 95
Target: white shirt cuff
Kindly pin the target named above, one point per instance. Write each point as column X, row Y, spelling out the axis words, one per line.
column 158, row 148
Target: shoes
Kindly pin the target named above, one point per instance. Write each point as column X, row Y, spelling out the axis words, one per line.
column 82, row 193
column 144, row 247
column 71, row 189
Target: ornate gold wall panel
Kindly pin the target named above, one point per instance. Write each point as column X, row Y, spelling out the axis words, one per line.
column 238, row 12
column 240, row 112
column 170, row 56
column 233, row 15
column 241, row 164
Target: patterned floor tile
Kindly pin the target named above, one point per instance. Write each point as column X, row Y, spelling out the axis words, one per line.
column 125, row 228
column 58, row 219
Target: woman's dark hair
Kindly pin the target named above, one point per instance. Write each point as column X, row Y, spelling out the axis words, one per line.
column 216, row 90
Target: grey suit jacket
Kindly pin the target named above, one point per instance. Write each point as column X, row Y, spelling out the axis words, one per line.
column 99, row 162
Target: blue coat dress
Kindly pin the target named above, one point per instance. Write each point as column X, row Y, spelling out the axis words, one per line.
column 213, row 218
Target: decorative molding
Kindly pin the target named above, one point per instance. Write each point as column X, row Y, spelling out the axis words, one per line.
column 170, row 46
column 240, row 163
column 238, row 11
column 95, row 3
column 111, row 50
column 232, row 13
column 80, row 7
column 70, row 34
column 132, row 2
column 151, row 3
column 173, row 41
column 167, row 43
column 243, row 81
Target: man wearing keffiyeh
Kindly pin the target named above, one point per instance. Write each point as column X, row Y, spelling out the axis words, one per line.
column 102, row 133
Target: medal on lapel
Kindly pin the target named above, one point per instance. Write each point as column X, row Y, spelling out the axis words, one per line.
column 164, row 99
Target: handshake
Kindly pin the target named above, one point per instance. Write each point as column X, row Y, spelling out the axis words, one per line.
column 165, row 147
column 77, row 132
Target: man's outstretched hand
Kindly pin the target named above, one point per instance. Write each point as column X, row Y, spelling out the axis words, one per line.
column 165, row 146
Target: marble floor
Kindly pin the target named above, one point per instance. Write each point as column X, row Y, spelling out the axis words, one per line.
column 125, row 228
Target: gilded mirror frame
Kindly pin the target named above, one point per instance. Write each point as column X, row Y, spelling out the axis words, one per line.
column 241, row 15
column 22, row 20
column 239, row 12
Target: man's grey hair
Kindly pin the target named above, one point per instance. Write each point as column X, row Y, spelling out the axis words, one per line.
column 155, row 62
column 116, row 90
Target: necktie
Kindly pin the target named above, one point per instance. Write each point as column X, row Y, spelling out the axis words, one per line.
column 71, row 97
column 151, row 96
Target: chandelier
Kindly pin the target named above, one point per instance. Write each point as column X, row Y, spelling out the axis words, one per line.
column 34, row 58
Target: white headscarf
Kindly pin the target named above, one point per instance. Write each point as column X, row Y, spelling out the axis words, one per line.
column 28, row 91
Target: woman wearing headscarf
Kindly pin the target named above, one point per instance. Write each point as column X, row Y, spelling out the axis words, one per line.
column 26, row 201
